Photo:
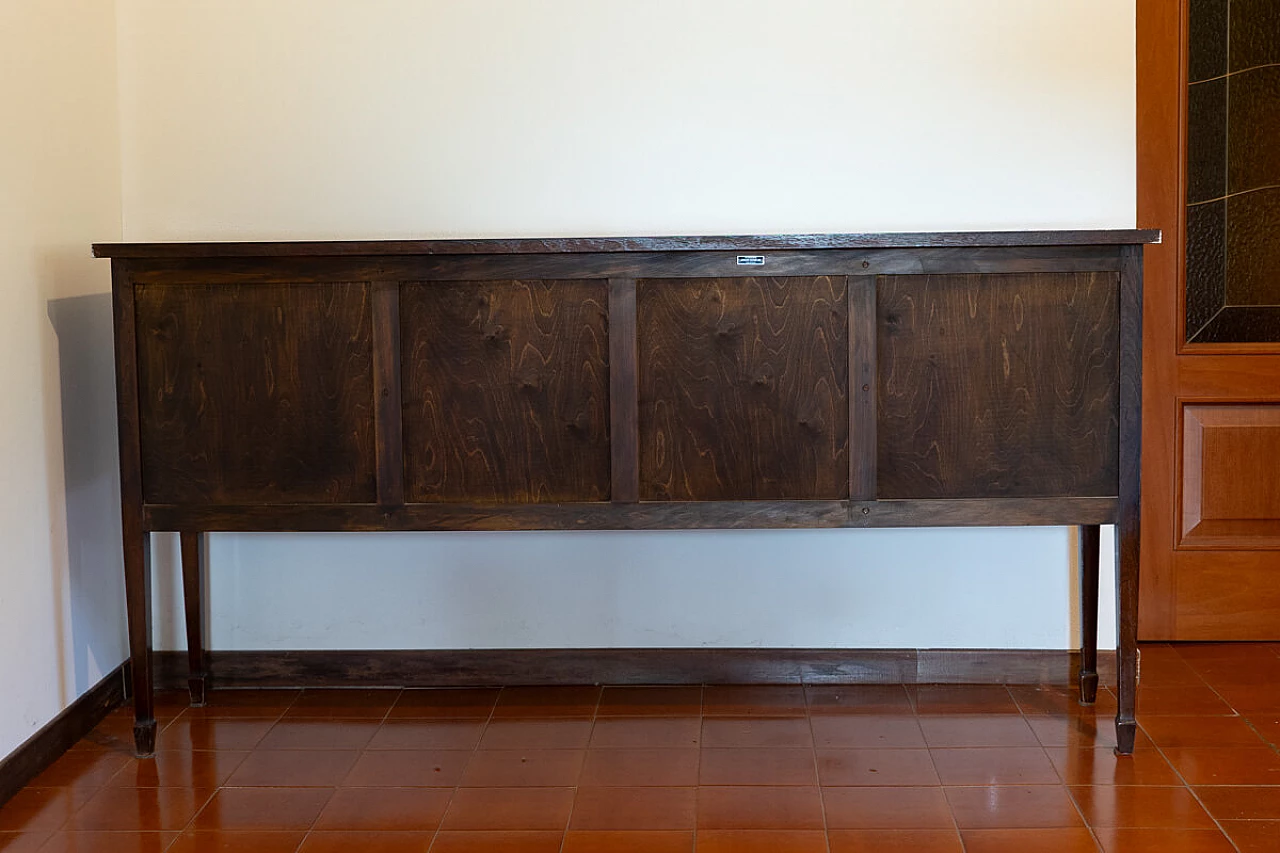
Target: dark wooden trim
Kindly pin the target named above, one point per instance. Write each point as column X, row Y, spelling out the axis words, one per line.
column 292, row 269
column 388, row 427
column 982, row 512
column 686, row 515
column 192, row 544
column 862, row 387
column 137, row 542
column 62, row 732
column 624, row 405
column 507, row 667
column 1128, row 518
column 441, row 516
column 627, row 244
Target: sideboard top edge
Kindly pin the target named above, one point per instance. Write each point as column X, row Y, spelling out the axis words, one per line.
column 558, row 245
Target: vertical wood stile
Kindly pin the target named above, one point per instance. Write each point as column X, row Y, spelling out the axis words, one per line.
column 1128, row 528
column 386, row 388
column 137, row 540
column 624, row 406
column 862, row 387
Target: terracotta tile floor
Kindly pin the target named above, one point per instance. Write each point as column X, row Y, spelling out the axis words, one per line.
column 787, row 769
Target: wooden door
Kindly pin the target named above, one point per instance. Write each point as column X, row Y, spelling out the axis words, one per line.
column 1209, row 177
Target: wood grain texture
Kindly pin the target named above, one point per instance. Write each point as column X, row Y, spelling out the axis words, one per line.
column 256, row 395
column 1224, row 489
column 192, row 546
column 862, row 387
column 508, row 667
column 506, row 391
column 273, row 269
column 1227, row 595
column 1161, row 94
column 1128, row 535
column 590, row 515
column 997, row 386
column 623, row 383
column 389, row 443
column 135, row 539
column 561, row 245
column 664, row 515
column 744, row 388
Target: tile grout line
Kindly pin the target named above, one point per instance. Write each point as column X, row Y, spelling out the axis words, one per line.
column 1066, row 787
column 955, row 824
column 1178, row 773
column 454, row 793
column 817, row 773
column 697, row 779
column 573, row 803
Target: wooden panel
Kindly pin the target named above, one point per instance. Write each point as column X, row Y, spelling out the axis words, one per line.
column 998, row 386
column 623, row 380
column 743, row 388
column 506, row 391
column 1227, row 595
column 1230, row 495
column 256, row 395
column 386, row 386
column 862, row 379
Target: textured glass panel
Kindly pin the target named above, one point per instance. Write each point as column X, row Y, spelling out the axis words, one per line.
column 1255, row 33
column 1254, row 154
column 1206, row 264
column 1208, row 39
column 1207, row 141
column 1253, row 248
column 1242, row 325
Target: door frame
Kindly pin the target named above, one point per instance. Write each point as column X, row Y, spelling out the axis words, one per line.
column 1161, row 187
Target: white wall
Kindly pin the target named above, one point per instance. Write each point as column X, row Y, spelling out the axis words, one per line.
column 61, row 606
column 425, row 118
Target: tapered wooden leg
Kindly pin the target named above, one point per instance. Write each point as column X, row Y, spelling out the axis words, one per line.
column 1128, row 519
column 137, row 588
column 1089, row 546
column 1127, row 532
column 193, row 599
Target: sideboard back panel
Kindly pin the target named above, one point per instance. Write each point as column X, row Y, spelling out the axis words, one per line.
column 506, row 390
column 256, row 395
column 998, row 385
column 743, row 388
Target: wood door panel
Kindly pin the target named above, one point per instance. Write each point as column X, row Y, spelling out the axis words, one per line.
column 506, row 391
column 282, row 414
column 1230, row 494
column 1227, row 595
column 966, row 406
column 743, row 388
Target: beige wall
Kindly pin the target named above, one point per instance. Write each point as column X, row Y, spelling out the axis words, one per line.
column 405, row 118
column 60, row 609
column 414, row 118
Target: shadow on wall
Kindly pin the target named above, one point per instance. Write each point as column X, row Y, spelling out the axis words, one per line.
column 91, row 464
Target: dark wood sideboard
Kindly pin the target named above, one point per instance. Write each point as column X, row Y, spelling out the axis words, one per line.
column 840, row 380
